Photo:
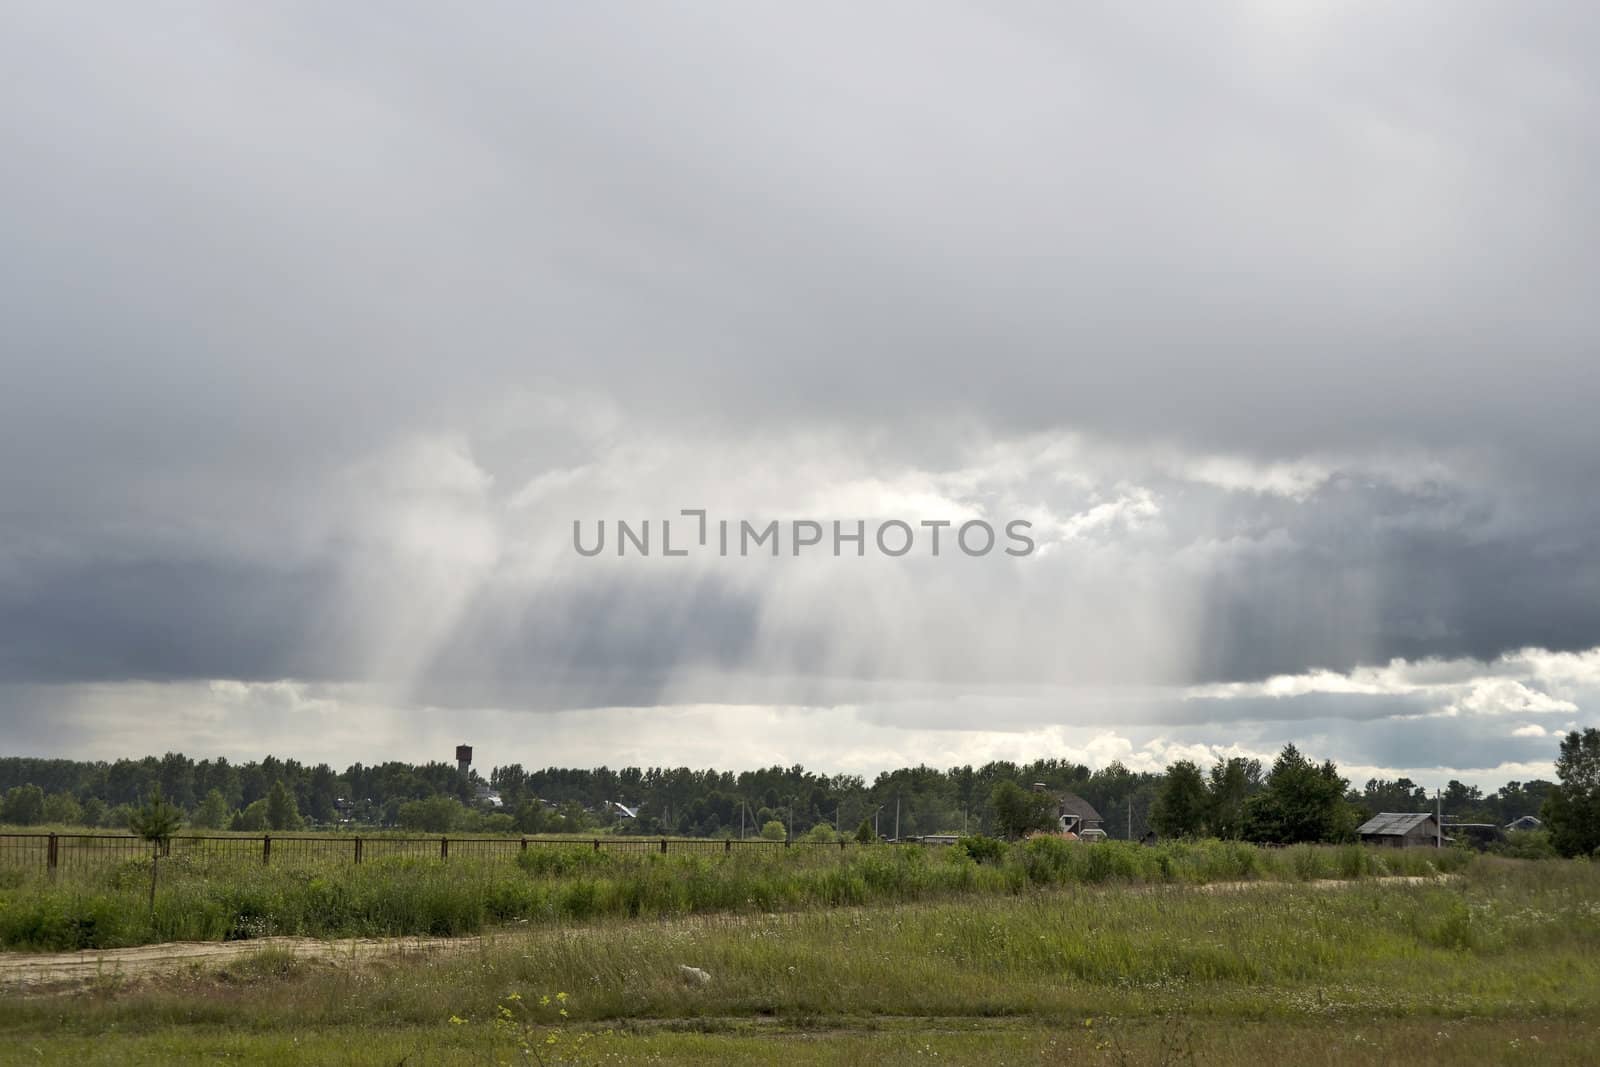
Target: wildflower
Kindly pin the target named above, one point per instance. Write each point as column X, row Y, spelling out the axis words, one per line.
column 561, row 997
column 456, row 1020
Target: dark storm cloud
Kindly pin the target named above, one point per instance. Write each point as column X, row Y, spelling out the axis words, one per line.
column 1366, row 576
column 606, row 642
column 162, row 620
column 244, row 250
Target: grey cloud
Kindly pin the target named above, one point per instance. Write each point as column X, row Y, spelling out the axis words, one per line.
column 244, row 251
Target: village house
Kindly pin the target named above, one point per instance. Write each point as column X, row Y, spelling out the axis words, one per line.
column 1074, row 815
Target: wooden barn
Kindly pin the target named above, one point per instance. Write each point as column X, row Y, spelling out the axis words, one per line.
column 1408, row 829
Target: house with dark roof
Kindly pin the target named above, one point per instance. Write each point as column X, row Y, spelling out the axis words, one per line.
column 1078, row 815
column 1074, row 814
column 1407, row 829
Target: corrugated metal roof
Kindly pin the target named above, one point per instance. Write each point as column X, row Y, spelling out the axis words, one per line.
column 1396, row 823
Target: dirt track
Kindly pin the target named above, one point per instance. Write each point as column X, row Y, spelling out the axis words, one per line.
column 79, row 968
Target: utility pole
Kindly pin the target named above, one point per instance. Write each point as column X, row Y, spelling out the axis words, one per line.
column 897, row 817
column 741, row 820
column 1438, row 821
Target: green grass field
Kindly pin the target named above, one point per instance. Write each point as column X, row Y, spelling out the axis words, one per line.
column 222, row 897
column 1132, row 958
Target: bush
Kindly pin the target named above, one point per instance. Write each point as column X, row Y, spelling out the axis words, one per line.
column 435, row 815
column 1527, row 845
column 498, row 822
column 252, row 820
column 983, row 849
column 62, row 809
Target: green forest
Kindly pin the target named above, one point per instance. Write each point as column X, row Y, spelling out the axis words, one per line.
column 1294, row 799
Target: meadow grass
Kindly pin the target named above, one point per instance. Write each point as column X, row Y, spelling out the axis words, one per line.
column 1501, row 964
column 211, row 898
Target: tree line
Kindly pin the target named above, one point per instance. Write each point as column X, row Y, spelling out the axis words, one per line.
column 1296, row 799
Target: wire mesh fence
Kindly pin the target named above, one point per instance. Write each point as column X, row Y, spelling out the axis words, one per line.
column 87, row 851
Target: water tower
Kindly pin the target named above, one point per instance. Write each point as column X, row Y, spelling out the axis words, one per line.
column 464, row 758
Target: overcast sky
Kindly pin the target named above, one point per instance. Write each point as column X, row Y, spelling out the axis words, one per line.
column 322, row 324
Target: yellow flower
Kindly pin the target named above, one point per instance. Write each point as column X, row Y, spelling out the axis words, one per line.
column 456, row 1020
column 561, row 996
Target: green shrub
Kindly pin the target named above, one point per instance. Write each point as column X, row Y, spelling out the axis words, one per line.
column 983, row 849
column 1527, row 845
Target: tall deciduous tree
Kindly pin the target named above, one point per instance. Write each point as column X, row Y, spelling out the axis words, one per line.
column 1018, row 811
column 1180, row 805
column 24, row 806
column 282, row 813
column 1232, row 782
column 1572, row 808
column 212, row 813
column 1302, row 802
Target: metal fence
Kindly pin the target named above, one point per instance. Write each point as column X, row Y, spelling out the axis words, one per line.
column 54, row 852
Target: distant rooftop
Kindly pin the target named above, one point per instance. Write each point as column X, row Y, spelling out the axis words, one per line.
column 1396, row 823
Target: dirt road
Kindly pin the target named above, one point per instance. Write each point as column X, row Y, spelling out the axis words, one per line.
column 33, row 969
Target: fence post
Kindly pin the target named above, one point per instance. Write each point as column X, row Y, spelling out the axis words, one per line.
column 727, row 846
column 841, row 844
column 524, row 844
column 597, row 844
column 266, row 847
column 663, row 846
column 51, row 855
column 444, row 848
column 358, row 848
